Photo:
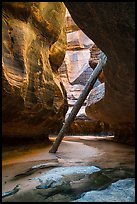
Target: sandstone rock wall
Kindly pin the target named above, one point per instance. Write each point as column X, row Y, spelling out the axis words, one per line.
column 112, row 27
column 33, row 48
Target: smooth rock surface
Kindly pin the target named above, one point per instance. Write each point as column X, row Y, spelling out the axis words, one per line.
column 54, row 177
column 112, row 28
column 120, row 191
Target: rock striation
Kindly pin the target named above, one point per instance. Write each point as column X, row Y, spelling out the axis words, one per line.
column 33, row 48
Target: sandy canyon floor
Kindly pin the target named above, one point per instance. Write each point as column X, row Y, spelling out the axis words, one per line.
column 95, row 151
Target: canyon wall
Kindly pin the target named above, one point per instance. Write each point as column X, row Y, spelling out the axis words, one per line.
column 33, row 48
column 34, row 43
column 112, row 27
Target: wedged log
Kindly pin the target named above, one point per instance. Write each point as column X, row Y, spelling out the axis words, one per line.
column 89, row 85
column 33, row 99
column 112, row 27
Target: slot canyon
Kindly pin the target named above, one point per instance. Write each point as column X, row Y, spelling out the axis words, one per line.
column 49, row 52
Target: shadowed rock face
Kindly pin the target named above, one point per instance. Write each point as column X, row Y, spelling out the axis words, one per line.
column 111, row 26
column 34, row 45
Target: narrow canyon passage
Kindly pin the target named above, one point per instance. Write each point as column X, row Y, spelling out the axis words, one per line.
column 49, row 51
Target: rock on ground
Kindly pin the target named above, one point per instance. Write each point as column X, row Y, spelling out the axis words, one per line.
column 120, row 191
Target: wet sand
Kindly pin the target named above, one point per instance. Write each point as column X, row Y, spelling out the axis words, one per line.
column 74, row 150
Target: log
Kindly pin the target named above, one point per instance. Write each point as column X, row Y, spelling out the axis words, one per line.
column 89, row 85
